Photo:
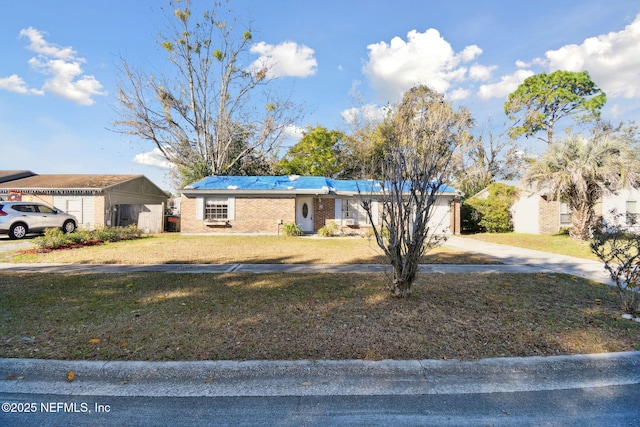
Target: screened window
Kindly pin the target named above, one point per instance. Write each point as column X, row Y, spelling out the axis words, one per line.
column 565, row 214
column 353, row 210
column 632, row 212
column 216, row 209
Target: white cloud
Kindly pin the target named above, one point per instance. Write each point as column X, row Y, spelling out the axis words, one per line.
column 61, row 65
column 458, row 94
column 67, row 80
column 505, row 86
column 481, row 72
column 424, row 58
column 612, row 60
column 40, row 46
column 287, row 59
column 13, row 83
column 153, row 158
column 368, row 113
column 294, row 132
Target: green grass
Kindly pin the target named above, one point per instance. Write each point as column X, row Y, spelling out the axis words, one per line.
column 305, row 316
column 558, row 243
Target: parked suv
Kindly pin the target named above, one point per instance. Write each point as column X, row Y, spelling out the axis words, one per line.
column 17, row 219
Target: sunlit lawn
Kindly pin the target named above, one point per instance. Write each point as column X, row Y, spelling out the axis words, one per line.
column 174, row 248
column 559, row 244
column 305, row 316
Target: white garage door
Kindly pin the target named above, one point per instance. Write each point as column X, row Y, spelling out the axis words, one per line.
column 78, row 206
column 440, row 221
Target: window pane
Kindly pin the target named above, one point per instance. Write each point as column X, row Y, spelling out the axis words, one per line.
column 216, row 209
column 352, row 209
column 45, row 209
column 632, row 212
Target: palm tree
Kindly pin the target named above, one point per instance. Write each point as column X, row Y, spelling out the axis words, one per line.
column 579, row 171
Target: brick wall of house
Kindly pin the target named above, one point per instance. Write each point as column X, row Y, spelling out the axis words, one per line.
column 261, row 215
column 455, row 222
column 252, row 215
column 549, row 216
column 323, row 209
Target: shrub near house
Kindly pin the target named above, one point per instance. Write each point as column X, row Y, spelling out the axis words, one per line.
column 490, row 210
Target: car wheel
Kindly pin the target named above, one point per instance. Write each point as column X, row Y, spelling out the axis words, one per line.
column 18, row 231
column 69, row 226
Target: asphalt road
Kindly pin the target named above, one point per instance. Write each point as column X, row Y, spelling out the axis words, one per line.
column 601, row 406
column 583, row 390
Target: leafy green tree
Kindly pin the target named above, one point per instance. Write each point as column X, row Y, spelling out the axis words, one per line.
column 423, row 132
column 363, row 151
column 542, row 100
column 317, row 154
column 579, row 171
column 201, row 116
column 493, row 212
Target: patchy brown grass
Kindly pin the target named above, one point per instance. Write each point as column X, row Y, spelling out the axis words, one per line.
column 305, row 316
column 176, row 249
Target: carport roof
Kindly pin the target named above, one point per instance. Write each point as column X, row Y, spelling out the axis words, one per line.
column 77, row 182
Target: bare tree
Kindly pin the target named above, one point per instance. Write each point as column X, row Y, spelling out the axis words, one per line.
column 482, row 160
column 424, row 133
column 617, row 244
column 202, row 118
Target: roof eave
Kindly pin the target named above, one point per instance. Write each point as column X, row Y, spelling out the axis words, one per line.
column 293, row 192
column 51, row 190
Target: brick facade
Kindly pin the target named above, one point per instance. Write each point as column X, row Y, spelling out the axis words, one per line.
column 263, row 215
column 455, row 222
column 324, row 210
column 549, row 216
column 259, row 215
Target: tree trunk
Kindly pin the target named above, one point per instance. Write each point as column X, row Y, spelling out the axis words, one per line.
column 403, row 277
column 581, row 222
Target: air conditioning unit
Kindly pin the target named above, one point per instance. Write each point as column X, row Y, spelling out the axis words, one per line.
column 348, row 221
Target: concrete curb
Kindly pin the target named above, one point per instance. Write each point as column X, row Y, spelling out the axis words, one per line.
column 321, row 377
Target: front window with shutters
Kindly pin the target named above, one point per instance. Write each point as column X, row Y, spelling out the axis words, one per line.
column 215, row 208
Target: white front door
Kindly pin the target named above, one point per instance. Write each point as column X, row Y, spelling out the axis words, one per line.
column 304, row 213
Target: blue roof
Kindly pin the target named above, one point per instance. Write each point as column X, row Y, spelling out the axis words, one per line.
column 290, row 183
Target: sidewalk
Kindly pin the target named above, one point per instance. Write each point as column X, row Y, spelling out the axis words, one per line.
column 515, row 260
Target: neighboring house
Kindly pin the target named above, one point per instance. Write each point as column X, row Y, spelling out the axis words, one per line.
column 12, row 175
column 538, row 213
column 96, row 200
column 262, row 204
column 625, row 202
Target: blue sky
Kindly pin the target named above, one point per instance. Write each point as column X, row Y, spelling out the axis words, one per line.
column 59, row 60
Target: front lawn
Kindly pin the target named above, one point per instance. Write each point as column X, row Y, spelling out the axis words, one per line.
column 306, row 316
column 177, row 249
